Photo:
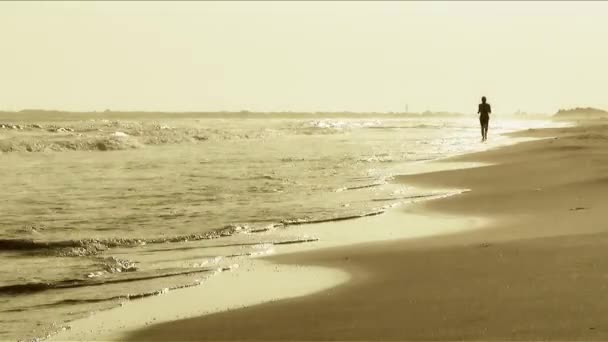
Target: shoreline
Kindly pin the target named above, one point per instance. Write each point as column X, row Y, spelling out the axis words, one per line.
column 118, row 323
column 280, row 280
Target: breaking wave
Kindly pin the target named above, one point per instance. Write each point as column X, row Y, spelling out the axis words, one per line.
column 26, row 288
column 87, row 247
column 92, row 247
column 78, row 144
column 107, row 135
column 344, row 124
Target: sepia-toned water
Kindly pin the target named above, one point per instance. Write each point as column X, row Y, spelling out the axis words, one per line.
column 98, row 211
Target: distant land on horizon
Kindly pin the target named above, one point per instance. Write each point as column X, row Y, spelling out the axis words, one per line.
column 581, row 113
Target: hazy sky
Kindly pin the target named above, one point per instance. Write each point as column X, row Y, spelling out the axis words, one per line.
column 308, row 56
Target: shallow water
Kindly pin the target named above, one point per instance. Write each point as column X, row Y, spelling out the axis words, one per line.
column 97, row 211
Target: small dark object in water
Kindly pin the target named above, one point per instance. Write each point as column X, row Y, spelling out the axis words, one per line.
column 578, row 208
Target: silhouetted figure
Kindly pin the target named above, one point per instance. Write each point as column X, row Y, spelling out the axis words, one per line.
column 484, row 117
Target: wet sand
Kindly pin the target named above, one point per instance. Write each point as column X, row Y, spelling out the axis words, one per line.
column 537, row 270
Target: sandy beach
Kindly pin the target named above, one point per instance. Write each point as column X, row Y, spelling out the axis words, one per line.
column 534, row 271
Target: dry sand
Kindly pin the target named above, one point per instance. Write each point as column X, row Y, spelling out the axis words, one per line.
column 538, row 270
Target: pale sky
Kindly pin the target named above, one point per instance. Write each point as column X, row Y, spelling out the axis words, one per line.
column 303, row 56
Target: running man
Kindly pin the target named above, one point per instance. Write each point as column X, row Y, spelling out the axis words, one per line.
column 484, row 117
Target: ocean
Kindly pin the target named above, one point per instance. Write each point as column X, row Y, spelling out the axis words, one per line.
column 97, row 211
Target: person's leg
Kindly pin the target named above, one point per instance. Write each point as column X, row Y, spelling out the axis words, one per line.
column 486, row 126
column 482, row 129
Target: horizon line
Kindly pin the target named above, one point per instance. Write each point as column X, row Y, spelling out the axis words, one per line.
column 26, row 110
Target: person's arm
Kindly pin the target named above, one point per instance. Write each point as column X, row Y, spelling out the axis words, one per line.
column 479, row 109
column 489, row 109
